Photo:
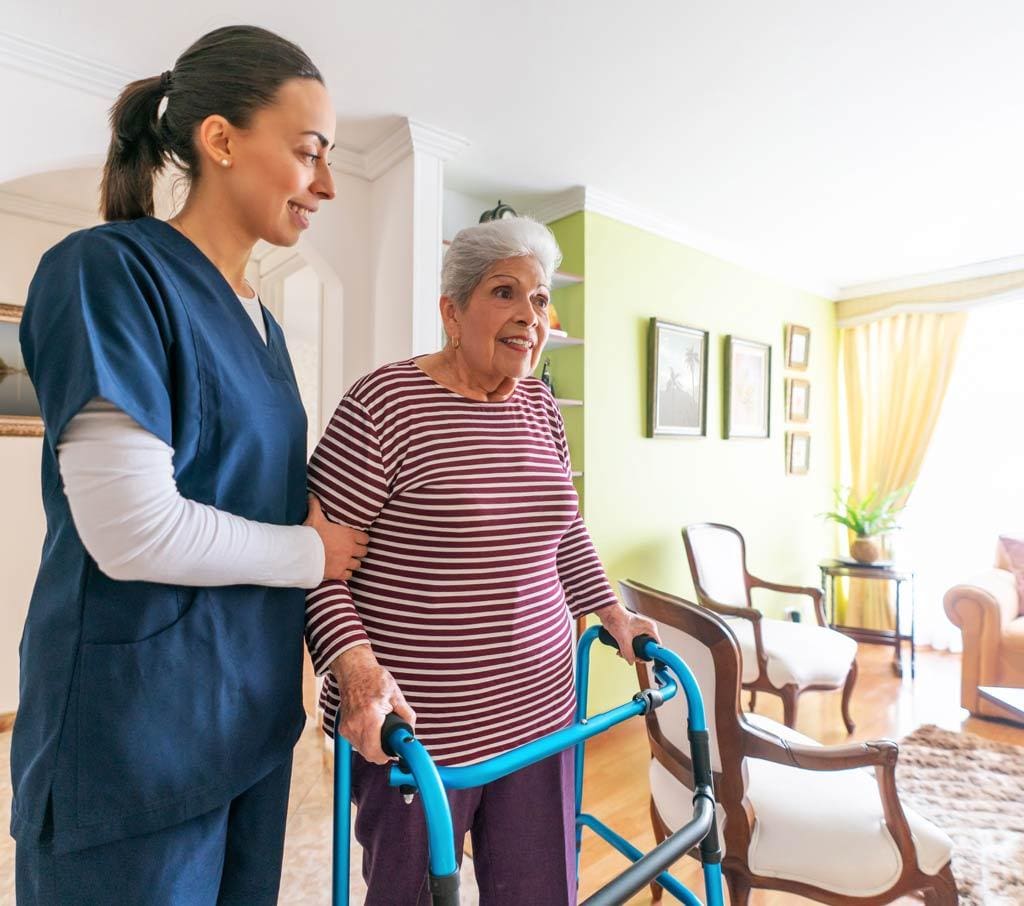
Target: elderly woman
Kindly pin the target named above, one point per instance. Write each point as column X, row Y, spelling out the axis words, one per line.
column 460, row 618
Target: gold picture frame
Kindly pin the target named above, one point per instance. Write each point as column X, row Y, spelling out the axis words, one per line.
column 798, row 400
column 12, row 367
column 798, row 347
column 798, row 452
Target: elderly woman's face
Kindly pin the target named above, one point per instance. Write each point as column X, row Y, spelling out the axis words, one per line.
column 504, row 326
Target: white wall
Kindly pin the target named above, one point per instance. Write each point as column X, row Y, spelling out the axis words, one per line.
column 302, row 325
column 462, row 210
column 22, row 243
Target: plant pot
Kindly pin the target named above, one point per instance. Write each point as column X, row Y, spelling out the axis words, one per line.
column 866, row 550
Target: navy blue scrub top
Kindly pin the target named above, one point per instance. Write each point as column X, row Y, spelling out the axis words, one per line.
column 142, row 704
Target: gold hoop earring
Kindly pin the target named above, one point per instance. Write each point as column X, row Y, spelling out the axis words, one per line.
column 456, row 342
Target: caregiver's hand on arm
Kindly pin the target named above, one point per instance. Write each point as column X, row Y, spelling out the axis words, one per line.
column 344, row 547
column 368, row 693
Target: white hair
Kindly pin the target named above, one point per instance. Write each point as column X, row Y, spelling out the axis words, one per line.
column 476, row 249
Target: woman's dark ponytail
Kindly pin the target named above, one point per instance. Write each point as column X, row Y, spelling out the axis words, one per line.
column 136, row 153
column 233, row 71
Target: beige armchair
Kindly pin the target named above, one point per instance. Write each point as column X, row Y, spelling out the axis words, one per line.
column 989, row 612
column 779, row 657
column 822, row 822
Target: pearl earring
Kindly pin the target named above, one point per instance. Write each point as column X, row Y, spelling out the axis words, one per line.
column 225, row 162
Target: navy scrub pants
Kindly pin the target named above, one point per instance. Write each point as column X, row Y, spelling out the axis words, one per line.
column 228, row 857
column 522, row 827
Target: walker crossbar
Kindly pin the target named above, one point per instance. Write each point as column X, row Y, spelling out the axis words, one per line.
column 416, row 771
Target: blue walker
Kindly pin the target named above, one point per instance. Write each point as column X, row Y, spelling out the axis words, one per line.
column 416, row 771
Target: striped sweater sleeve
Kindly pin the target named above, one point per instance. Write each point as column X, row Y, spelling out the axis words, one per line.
column 346, row 473
column 583, row 578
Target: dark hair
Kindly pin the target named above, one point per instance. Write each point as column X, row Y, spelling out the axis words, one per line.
column 233, row 71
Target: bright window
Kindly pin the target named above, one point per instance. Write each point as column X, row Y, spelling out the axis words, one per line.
column 971, row 486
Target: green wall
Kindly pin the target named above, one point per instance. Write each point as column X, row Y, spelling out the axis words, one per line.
column 640, row 491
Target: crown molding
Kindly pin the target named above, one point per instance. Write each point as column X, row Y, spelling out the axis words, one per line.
column 554, row 207
column 348, row 160
column 62, row 66
column 434, row 141
column 31, row 208
column 587, row 198
column 409, row 137
column 990, row 268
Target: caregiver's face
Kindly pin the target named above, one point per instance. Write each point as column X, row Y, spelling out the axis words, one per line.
column 504, row 326
column 280, row 172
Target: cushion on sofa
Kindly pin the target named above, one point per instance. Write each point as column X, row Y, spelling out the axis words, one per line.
column 1012, row 550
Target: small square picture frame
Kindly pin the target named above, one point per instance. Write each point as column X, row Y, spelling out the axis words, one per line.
column 798, row 452
column 798, row 400
column 798, row 347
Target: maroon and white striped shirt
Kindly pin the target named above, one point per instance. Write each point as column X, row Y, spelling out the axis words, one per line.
column 477, row 558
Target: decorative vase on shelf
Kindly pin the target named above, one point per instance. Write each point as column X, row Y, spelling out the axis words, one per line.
column 545, row 377
column 866, row 550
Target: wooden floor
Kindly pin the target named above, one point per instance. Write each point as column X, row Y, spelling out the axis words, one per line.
column 616, row 775
column 883, row 706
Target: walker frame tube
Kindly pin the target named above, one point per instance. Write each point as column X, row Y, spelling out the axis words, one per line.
column 416, row 771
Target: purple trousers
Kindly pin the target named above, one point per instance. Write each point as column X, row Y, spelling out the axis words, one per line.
column 522, row 827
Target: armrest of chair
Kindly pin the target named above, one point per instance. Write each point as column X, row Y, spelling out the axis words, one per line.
column 987, row 603
column 810, row 591
column 982, row 609
column 880, row 754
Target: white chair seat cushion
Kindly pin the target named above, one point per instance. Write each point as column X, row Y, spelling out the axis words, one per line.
column 797, row 652
column 809, row 823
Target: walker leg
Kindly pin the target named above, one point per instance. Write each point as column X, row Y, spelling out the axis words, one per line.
column 342, row 820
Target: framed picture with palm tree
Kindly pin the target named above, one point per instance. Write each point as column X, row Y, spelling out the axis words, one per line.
column 677, row 380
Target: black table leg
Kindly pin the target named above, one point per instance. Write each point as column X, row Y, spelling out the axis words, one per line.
column 897, row 642
column 913, row 611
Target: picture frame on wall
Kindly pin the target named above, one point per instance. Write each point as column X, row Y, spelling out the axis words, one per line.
column 798, row 347
column 798, row 400
column 677, row 380
column 19, row 409
column 748, row 375
column 798, row 452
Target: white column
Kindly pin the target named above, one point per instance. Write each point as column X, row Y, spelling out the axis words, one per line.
column 407, row 169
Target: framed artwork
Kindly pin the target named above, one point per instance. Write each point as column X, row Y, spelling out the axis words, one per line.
column 798, row 400
column 798, row 346
column 19, row 408
column 677, row 380
column 798, row 452
column 748, row 374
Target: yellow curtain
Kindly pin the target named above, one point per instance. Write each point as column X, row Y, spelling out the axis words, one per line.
column 896, row 372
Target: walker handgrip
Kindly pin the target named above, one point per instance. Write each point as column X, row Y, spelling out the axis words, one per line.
column 639, row 643
column 392, row 722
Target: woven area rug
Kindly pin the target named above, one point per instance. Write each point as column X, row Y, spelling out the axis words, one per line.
column 974, row 790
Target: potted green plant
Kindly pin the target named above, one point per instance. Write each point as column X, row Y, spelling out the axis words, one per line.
column 868, row 518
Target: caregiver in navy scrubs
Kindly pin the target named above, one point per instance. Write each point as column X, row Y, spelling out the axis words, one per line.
column 161, row 660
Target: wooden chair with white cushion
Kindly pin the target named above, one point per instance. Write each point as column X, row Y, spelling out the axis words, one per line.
column 823, row 822
column 779, row 657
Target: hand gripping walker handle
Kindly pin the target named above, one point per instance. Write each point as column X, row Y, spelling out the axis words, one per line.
column 391, row 723
column 639, row 643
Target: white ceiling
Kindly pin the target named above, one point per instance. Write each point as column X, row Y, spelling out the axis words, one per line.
column 841, row 143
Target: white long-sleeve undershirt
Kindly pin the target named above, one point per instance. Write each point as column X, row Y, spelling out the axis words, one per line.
column 136, row 525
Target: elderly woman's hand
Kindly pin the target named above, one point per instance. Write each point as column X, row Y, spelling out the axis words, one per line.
column 626, row 626
column 368, row 694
